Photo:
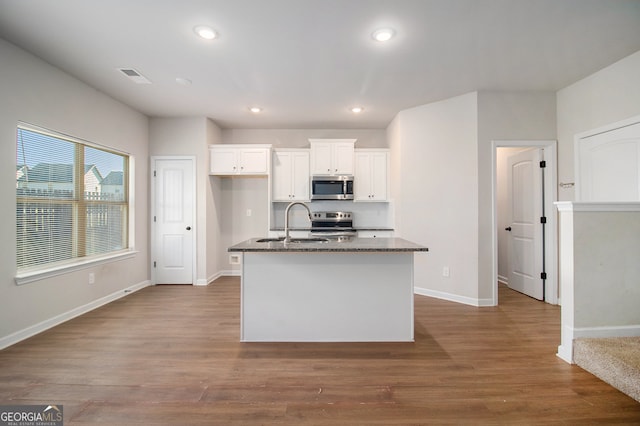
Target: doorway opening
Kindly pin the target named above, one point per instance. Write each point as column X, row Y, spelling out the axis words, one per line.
column 499, row 233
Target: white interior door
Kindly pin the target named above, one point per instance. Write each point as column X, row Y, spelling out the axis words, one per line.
column 609, row 165
column 174, row 240
column 525, row 246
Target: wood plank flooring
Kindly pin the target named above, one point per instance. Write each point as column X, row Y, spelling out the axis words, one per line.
column 170, row 355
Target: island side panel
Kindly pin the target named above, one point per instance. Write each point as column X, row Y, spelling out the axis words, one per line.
column 327, row 297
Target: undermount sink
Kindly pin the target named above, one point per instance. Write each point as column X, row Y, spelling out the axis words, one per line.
column 309, row 240
column 293, row 240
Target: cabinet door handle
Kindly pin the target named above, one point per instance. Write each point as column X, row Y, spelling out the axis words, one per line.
column 508, row 228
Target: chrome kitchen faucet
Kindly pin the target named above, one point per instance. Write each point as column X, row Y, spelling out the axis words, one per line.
column 287, row 238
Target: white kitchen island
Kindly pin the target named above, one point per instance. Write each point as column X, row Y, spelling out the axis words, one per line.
column 360, row 290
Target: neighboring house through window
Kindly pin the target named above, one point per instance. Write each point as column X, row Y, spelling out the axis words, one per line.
column 71, row 199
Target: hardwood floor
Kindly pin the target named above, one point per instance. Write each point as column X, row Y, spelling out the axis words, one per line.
column 170, row 355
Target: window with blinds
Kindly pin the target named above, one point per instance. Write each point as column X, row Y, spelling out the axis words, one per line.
column 71, row 199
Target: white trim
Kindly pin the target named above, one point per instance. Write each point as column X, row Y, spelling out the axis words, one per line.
column 30, row 331
column 452, row 297
column 81, row 263
column 38, row 273
column 593, row 206
column 607, row 331
column 230, row 273
column 609, row 127
column 565, row 350
column 565, row 354
column 551, row 196
column 214, row 277
column 194, row 219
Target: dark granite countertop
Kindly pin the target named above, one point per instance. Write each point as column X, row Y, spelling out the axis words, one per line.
column 357, row 229
column 346, row 245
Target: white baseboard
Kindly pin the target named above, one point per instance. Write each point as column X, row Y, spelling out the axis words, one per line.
column 503, row 280
column 452, row 297
column 569, row 334
column 230, row 273
column 565, row 354
column 214, row 277
column 30, row 331
column 610, row 331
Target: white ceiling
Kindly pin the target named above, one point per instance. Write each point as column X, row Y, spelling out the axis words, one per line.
column 307, row 62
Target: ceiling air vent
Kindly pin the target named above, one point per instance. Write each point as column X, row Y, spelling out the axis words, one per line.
column 134, row 76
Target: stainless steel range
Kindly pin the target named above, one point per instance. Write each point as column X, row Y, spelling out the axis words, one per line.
column 332, row 224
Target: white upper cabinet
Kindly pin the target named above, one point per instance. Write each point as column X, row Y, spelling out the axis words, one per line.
column 229, row 160
column 371, row 179
column 332, row 156
column 290, row 177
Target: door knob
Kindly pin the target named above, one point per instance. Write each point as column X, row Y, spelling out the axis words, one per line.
column 188, row 228
column 508, row 229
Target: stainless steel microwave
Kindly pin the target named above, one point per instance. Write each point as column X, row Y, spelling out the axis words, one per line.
column 338, row 187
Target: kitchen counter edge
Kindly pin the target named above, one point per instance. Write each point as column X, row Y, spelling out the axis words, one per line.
column 352, row 245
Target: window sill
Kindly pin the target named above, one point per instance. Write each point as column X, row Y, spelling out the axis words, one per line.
column 41, row 274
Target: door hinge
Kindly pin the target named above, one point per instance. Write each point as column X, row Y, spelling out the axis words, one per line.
column 154, row 173
column 543, row 219
column 543, row 164
column 154, row 263
column 154, row 218
column 543, row 275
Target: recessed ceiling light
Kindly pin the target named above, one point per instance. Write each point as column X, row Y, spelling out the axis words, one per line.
column 183, row 81
column 255, row 109
column 383, row 34
column 357, row 109
column 205, row 32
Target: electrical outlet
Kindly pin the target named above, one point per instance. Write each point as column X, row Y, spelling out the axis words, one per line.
column 445, row 271
column 92, row 278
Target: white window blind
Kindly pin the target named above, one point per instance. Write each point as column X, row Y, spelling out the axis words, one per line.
column 71, row 199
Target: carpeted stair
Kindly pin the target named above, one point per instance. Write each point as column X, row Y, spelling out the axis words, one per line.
column 614, row 360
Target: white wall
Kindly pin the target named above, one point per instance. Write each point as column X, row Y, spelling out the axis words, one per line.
column 37, row 93
column 240, row 194
column 504, row 116
column 213, row 212
column 434, row 151
column 192, row 136
column 599, row 251
column 441, row 162
column 605, row 97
